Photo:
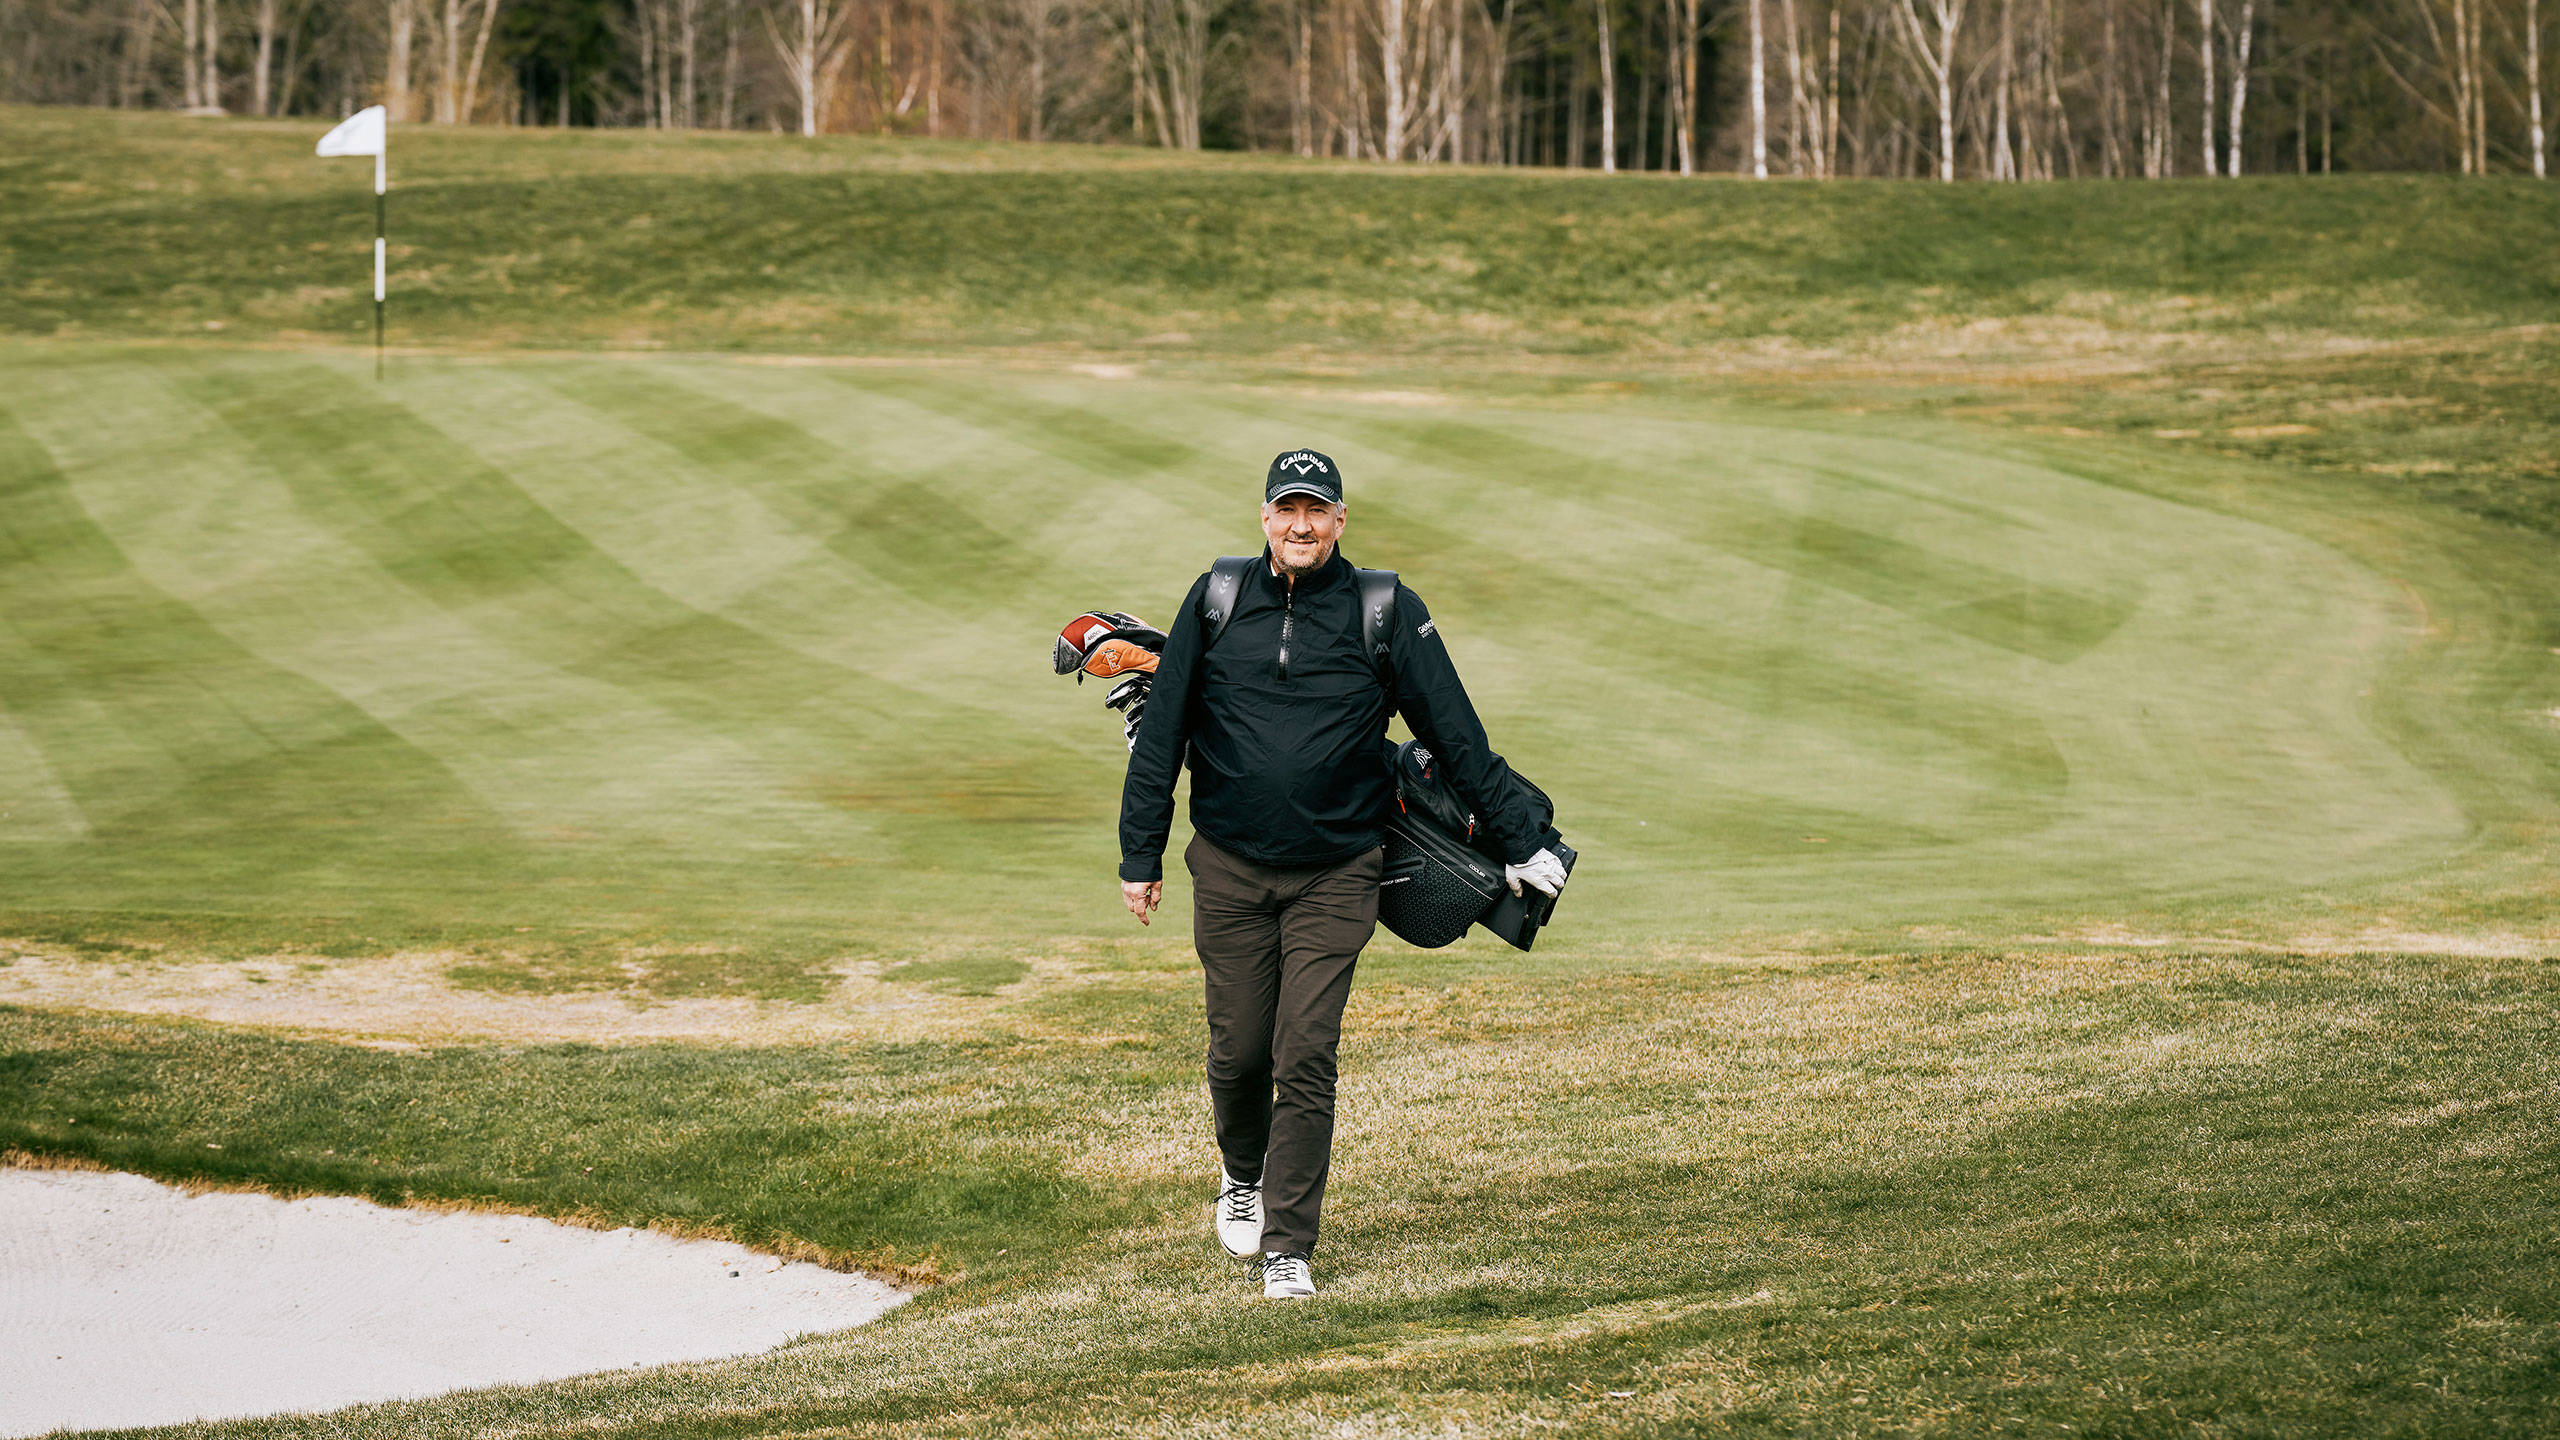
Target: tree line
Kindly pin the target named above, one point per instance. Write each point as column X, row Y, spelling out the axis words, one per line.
column 1997, row 89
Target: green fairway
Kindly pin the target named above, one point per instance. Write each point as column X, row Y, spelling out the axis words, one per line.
column 701, row 651
column 2056, row 688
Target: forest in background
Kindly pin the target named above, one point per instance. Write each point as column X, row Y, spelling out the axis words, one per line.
column 1996, row 89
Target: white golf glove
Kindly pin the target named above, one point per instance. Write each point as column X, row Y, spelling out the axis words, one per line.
column 1542, row 870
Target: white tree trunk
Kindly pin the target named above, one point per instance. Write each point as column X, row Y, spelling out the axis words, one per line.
column 2162, row 161
column 688, row 39
column 213, row 54
column 2004, row 161
column 1391, row 28
column 1686, row 24
column 1797, row 111
column 1831, row 98
column 2240, row 82
column 1302, row 83
column 1935, row 59
column 813, row 43
column 190, row 38
column 729, row 62
column 262, row 86
column 2479, row 90
column 804, row 67
column 2204, row 62
column 1759, row 97
column 2533, row 83
column 479, row 54
column 448, row 62
column 1355, row 109
column 1453, row 90
column 398, row 102
column 1608, row 92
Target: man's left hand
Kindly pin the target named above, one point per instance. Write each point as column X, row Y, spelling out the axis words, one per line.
column 1542, row 870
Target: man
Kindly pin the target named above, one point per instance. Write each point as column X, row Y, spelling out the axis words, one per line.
column 1281, row 719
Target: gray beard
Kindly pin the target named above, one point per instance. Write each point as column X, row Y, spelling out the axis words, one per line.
column 1288, row 571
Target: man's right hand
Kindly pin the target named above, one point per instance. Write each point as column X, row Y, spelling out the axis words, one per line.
column 1141, row 896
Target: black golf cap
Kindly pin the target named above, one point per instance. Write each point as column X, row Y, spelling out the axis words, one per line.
column 1304, row 472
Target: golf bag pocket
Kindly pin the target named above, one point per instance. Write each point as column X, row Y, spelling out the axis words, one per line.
column 1434, row 886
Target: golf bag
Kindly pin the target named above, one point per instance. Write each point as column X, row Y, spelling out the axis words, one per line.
column 1442, row 874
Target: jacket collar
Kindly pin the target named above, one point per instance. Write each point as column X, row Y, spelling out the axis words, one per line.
column 1334, row 571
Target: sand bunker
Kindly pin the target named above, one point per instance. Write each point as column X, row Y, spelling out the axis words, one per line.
column 126, row 1302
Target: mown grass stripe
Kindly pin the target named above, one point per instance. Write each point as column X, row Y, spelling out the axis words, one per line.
column 197, row 763
column 469, row 538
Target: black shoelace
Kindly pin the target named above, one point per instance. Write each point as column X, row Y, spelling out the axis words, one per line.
column 1236, row 1201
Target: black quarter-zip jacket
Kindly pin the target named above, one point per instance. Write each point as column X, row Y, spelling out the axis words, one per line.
column 1281, row 721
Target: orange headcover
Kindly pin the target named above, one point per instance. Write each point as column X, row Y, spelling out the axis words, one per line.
column 1118, row 657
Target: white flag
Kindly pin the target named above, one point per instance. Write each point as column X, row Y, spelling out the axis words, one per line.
column 358, row 134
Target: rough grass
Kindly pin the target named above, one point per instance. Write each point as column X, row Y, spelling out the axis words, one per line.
column 117, row 225
column 2116, row 1192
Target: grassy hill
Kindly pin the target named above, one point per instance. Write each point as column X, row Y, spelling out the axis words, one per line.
column 141, row 225
column 2053, row 685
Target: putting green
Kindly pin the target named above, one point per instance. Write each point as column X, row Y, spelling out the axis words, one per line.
column 722, row 649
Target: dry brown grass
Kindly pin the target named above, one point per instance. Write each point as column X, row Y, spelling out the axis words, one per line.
column 411, row 998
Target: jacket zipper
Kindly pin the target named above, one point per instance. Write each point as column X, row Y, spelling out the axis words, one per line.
column 1288, row 622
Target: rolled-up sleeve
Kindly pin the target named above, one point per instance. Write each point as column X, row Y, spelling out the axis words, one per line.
column 1435, row 704
column 1164, row 736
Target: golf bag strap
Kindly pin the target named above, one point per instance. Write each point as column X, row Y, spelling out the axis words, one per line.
column 1378, row 624
column 1218, row 602
column 1377, row 608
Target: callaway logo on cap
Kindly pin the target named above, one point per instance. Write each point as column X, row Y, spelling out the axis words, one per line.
column 1303, row 472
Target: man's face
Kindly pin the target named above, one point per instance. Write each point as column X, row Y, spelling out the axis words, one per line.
column 1303, row 531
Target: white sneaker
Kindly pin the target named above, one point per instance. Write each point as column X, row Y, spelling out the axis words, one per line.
column 1287, row 1276
column 1239, row 1216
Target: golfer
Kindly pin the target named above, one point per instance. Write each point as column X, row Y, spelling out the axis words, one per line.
column 1282, row 720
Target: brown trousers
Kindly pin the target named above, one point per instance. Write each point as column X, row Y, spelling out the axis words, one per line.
column 1277, row 947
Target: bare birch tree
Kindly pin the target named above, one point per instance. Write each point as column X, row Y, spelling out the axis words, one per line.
column 2204, row 62
column 2160, row 160
column 2240, row 81
column 1608, row 91
column 1933, row 54
column 812, row 40
column 190, row 38
column 401, row 36
column 1759, row 96
column 2533, row 85
column 2452, row 32
column 2004, row 162
column 1180, row 60
column 211, row 57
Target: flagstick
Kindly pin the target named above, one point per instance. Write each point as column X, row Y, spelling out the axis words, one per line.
column 380, row 228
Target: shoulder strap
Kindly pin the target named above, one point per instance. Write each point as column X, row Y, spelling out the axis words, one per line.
column 1378, row 621
column 1377, row 607
column 1218, row 602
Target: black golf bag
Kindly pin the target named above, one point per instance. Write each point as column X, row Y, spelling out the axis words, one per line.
column 1442, row 874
